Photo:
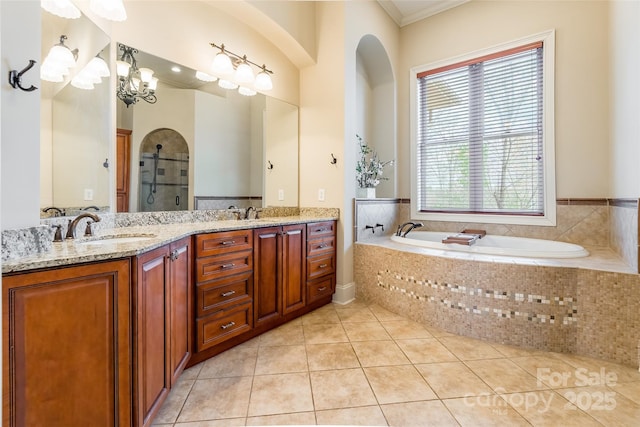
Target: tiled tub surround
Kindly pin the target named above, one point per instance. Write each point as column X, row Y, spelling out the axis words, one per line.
column 546, row 305
column 34, row 248
column 623, row 217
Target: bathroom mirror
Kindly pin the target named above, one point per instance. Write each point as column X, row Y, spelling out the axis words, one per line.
column 205, row 147
column 74, row 123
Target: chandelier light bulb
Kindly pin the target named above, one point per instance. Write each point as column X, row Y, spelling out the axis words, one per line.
column 263, row 81
column 146, row 74
column 222, row 64
column 153, row 84
column 205, row 77
column 122, row 68
column 62, row 8
column 244, row 74
column 113, row 10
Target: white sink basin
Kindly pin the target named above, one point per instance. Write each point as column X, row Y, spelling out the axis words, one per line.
column 116, row 239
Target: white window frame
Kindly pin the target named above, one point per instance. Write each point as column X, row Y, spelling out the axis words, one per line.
column 548, row 136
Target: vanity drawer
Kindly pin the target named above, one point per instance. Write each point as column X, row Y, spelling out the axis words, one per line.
column 223, row 325
column 223, row 242
column 320, row 266
column 220, row 293
column 321, row 246
column 215, row 267
column 320, row 288
column 321, row 229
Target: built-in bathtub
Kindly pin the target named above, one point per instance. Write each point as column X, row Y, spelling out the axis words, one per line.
column 565, row 305
column 495, row 245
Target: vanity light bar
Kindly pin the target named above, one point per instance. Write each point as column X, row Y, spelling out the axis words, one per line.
column 229, row 64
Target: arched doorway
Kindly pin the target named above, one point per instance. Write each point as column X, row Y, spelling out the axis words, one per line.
column 164, row 172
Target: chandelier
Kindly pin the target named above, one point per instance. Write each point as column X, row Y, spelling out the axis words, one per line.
column 134, row 83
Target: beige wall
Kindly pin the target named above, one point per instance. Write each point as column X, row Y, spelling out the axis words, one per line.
column 581, row 76
column 624, row 45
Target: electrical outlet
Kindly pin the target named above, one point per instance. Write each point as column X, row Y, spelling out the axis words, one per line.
column 281, row 194
column 88, row 194
column 321, row 194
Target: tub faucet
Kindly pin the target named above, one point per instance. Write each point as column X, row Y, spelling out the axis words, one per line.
column 73, row 224
column 411, row 225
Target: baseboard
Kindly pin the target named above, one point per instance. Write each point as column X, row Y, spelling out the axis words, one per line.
column 345, row 293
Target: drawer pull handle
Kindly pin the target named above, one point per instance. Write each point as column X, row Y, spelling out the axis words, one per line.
column 322, row 265
column 322, row 246
column 320, row 230
column 227, row 294
column 228, row 325
column 227, row 265
column 322, row 289
column 228, row 242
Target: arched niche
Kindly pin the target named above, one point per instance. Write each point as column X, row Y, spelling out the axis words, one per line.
column 376, row 107
column 164, row 171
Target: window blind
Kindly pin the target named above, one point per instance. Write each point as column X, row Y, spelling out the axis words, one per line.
column 479, row 136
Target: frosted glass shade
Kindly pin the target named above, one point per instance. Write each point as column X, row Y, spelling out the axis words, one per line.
column 153, row 84
column 263, row 81
column 122, row 68
column 113, row 10
column 246, row 91
column 99, row 67
column 244, row 73
column 62, row 8
column 146, row 74
column 226, row 84
column 60, row 54
column 222, row 64
column 205, row 77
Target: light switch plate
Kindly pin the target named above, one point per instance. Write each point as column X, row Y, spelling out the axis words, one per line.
column 280, row 194
column 321, row 194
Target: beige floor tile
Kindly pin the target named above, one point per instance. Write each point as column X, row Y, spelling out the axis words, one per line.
column 594, row 367
column 281, row 359
column 280, row 394
column 514, row 351
column 504, row 376
column 453, row 379
column 362, row 416
column 175, row 400
column 405, row 329
column 236, row 362
column 287, row 334
column 192, row 372
column 384, row 315
column 356, row 304
column 229, row 422
column 324, row 357
column 324, row 333
column 343, row 388
column 379, row 353
column 395, row 384
column 349, row 315
column 629, row 390
column 484, row 411
column 550, row 371
column 437, row 332
column 427, row 350
column 605, row 405
column 295, row 419
column 320, row 317
column 470, row 349
column 418, row 414
column 365, row 331
column 217, row 398
column 548, row 408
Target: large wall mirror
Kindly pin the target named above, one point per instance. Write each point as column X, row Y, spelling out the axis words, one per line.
column 201, row 146
column 75, row 124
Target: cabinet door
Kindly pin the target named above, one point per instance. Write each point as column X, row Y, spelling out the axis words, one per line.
column 267, row 275
column 293, row 267
column 123, row 144
column 181, row 311
column 151, row 322
column 66, row 346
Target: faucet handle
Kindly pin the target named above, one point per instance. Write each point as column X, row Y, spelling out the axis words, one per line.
column 69, row 234
column 87, row 230
column 58, row 236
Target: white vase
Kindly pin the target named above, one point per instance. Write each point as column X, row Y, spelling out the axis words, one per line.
column 366, row 193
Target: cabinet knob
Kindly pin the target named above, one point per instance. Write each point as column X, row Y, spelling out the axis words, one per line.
column 227, row 294
column 228, row 325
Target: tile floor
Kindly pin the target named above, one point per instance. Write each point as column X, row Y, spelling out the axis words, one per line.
column 363, row 365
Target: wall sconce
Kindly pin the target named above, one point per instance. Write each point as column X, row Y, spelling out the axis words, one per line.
column 134, row 83
column 236, row 72
column 91, row 74
column 58, row 62
column 113, row 10
column 61, row 8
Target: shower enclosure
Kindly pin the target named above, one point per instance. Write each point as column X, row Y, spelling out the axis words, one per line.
column 164, row 172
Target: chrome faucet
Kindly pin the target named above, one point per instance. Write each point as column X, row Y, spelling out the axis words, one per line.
column 411, row 225
column 71, row 229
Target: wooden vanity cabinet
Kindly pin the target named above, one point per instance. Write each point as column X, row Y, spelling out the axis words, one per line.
column 67, row 346
column 224, row 289
column 161, row 325
column 279, row 272
column 321, row 260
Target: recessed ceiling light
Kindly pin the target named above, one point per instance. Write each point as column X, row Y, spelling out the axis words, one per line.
column 175, row 69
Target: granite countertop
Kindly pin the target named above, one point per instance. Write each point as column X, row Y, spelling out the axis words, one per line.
column 103, row 245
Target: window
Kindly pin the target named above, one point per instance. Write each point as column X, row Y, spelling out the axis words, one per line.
column 483, row 137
